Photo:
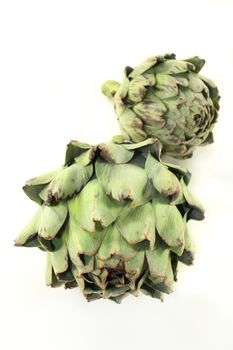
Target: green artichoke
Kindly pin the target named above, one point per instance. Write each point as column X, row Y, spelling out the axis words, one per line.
column 167, row 99
column 113, row 220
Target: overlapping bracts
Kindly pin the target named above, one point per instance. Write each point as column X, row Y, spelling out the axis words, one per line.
column 113, row 220
column 167, row 99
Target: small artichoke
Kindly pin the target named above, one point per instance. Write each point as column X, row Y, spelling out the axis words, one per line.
column 167, row 99
column 112, row 220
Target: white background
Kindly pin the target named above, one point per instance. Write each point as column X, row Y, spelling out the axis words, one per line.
column 54, row 55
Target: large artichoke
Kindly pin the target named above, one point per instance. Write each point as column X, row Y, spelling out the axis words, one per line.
column 112, row 220
column 167, row 99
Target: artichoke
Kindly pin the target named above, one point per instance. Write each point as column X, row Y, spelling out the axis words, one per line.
column 112, row 220
column 167, row 99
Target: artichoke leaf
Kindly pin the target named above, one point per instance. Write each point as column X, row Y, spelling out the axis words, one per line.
column 148, row 288
column 59, row 257
column 51, row 220
column 143, row 67
column 173, row 67
column 132, row 125
column 189, row 249
column 92, row 206
column 197, row 62
column 137, row 224
column 195, row 83
column 113, row 292
column 137, row 89
column 150, row 110
column 165, row 182
column 133, row 187
column 35, row 185
column 115, row 244
column 68, row 181
column 158, row 260
column 166, row 285
column 139, row 145
column 134, row 266
column 50, row 277
column 180, row 171
column 75, row 149
column 81, row 241
column 113, row 153
column 86, row 157
column 169, row 224
column 111, row 263
column 166, row 86
column 197, row 210
column 30, row 230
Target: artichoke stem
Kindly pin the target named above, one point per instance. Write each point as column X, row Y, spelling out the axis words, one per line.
column 109, row 88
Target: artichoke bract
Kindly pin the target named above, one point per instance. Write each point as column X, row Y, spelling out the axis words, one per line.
column 113, row 220
column 167, row 99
